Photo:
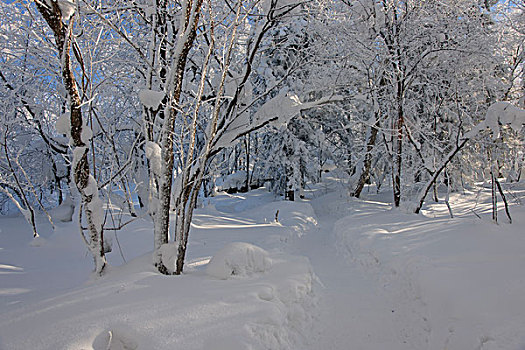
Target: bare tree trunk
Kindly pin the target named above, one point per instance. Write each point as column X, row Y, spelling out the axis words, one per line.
column 247, row 147
column 494, row 197
column 507, row 211
column 195, row 160
column 188, row 29
column 448, row 196
column 289, row 192
column 58, row 182
column 184, row 228
column 398, row 155
column 435, row 192
column 84, row 181
column 367, row 163
column 192, row 176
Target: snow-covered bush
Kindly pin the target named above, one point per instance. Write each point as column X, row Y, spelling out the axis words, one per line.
column 233, row 181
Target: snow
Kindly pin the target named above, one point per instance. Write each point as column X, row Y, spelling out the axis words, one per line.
column 277, row 111
column 168, row 251
column 238, row 259
column 49, row 289
column 86, row 135
column 78, row 153
column 67, row 8
column 149, row 11
column 500, row 113
column 333, row 273
column 236, row 180
column 92, row 187
column 151, row 98
column 115, row 339
column 329, row 165
column 97, row 211
column 424, row 282
column 506, row 114
column 153, row 153
column 63, row 124
column 282, row 107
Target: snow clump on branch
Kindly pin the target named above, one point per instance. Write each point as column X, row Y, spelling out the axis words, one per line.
column 67, row 8
column 500, row 113
column 150, row 98
column 63, row 124
column 153, row 153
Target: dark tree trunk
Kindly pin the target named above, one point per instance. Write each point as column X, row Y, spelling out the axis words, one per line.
column 162, row 221
column 398, row 155
column 367, row 163
column 80, row 166
column 247, row 146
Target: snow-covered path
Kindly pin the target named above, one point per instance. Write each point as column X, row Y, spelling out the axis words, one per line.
column 402, row 281
column 354, row 312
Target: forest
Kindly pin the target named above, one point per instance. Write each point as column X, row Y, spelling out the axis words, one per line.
column 119, row 112
column 154, row 102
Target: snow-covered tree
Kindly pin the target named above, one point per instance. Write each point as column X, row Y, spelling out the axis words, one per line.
column 414, row 75
column 60, row 18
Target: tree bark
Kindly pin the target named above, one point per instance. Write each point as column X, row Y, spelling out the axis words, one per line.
column 494, row 197
column 398, row 156
column 84, row 182
column 500, row 189
column 367, row 162
column 189, row 22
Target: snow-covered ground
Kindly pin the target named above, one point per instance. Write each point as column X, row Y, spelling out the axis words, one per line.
column 333, row 273
column 405, row 281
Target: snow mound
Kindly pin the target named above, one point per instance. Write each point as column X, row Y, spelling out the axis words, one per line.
column 115, row 339
column 238, row 259
column 38, row 242
column 169, row 255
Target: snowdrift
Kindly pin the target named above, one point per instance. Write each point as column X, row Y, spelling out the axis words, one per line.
column 47, row 303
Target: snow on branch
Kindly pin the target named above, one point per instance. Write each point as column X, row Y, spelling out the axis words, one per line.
column 154, row 155
column 67, row 8
column 276, row 111
column 150, row 98
column 500, row 113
